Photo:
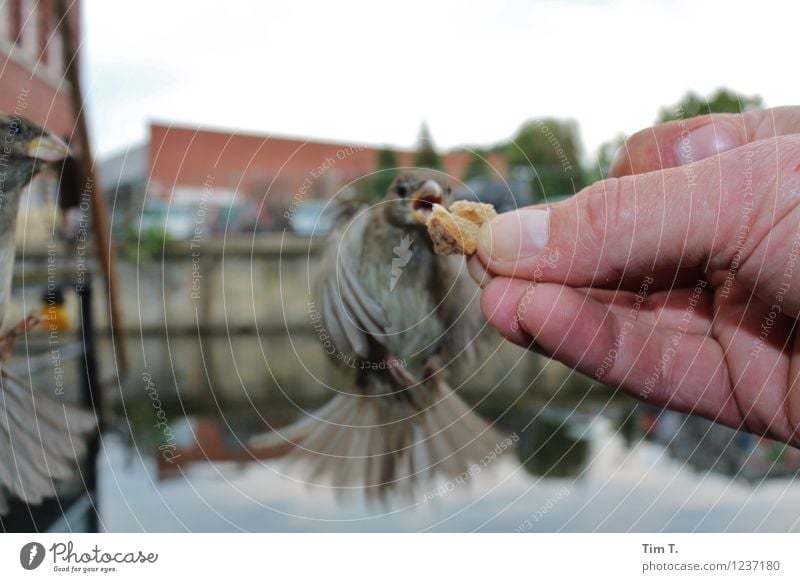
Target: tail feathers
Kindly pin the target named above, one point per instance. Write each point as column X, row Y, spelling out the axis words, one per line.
column 291, row 436
column 383, row 444
column 40, row 439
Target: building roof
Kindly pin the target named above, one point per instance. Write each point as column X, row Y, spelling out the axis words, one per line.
column 250, row 163
column 128, row 167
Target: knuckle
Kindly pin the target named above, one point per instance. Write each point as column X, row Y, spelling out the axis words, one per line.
column 600, row 217
column 597, row 209
column 788, row 147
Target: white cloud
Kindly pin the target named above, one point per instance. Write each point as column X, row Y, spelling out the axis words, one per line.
column 372, row 71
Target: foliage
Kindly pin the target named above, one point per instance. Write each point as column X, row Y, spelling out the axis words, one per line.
column 385, row 172
column 426, row 156
column 548, row 150
column 144, row 245
column 605, row 156
column 721, row 101
column 478, row 167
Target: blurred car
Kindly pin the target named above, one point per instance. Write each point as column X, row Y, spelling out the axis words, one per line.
column 176, row 222
column 504, row 195
column 313, row 218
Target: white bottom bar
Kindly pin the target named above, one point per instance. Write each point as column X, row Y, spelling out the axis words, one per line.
column 403, row 557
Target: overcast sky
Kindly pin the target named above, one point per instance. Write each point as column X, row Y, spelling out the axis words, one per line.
column 371, row 72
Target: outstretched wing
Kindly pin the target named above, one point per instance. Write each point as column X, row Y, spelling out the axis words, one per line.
column 40, row 438
column 351, row 316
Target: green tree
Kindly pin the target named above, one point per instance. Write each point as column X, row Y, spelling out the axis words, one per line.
column 478, row 167
column 426, row 156
column 385, row 171
column 548, row 150
column 721, row 101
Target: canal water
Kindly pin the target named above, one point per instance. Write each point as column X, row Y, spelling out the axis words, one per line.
column 174, row 455
column 585, row 459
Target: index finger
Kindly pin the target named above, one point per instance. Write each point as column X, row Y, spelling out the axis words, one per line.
column 680, row 142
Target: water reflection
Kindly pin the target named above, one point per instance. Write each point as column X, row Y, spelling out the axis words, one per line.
column 711, row 447
column 555, row 443
column 586, row 460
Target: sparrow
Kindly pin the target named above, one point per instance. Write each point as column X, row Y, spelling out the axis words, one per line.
column 40, row 437
column 397, row 317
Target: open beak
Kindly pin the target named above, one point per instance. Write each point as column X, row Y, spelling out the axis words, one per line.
column 47, row 148
column 422, row 200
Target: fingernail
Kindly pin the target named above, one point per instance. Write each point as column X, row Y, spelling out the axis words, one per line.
column 515, row 235
column 704, row 142
column 478, row 272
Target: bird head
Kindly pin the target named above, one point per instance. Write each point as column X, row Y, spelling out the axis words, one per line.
column 25, row 147
column 411, row 196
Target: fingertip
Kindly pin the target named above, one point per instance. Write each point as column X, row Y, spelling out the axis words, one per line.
column 620, row 163
column 647, row 150
column 514, row 236
column 478, row 271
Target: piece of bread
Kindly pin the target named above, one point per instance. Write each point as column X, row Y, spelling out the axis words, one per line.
column 456, row 232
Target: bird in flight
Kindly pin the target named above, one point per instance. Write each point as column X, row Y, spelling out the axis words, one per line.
column 397, row 317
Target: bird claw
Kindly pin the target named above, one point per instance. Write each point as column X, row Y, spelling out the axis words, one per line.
column 399, row 372
column 431, row 371
column 433, row 367
column 7, row 341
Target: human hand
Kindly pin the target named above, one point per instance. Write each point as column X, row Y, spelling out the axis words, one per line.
column 676, row 280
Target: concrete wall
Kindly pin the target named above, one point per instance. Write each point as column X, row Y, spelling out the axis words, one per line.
column 233, row 316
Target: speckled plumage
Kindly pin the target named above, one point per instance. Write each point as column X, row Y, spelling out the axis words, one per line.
column 415, row 328
column 396, row 314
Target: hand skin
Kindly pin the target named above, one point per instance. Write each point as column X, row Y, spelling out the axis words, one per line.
column 677, row 279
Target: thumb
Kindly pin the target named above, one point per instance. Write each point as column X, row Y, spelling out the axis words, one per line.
column 680, row 217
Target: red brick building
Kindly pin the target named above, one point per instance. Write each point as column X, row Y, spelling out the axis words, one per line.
column 31, row 73
column 183, row 159
column 184, row 165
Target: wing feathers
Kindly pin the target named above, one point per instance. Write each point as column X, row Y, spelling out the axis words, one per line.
column 390, row 446
column 40, row 438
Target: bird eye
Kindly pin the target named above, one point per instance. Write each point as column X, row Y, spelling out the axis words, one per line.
column 449, row 190
column 402, row 190
column 14, row 129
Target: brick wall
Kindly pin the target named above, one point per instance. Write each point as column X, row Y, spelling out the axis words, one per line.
column 251, row 165
column 31, row 82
